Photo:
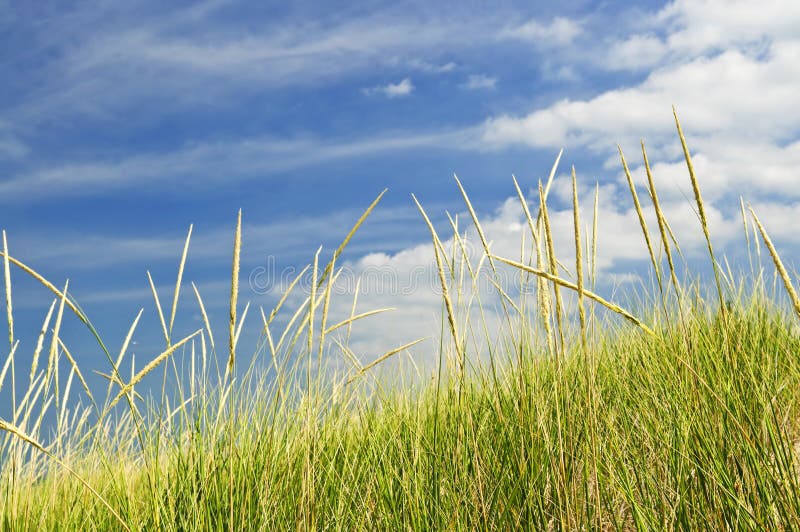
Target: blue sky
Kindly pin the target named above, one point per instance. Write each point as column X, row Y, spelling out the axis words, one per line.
column 123, row 123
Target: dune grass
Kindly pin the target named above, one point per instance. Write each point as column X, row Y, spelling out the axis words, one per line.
column 589, row 413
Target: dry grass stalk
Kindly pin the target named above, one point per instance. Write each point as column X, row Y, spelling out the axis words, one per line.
column 204, row 314
column 642, row 221
column 355, row 317
column 52, row 360
column 451, row 317
column 47, row 284
column 40, row 341
column 241, row 325
column 150, row 367
column 116, row 378
column 158, row 308
column 543, row 294
column 286, row 293
column 594, row 233
column 312, row 307
column 9, row 361
column 553, row 264
column 180, row 278
column 77, row 371
column 700, row 209
column 237, row 248
column 662, row 222
column 474, row 216
column 787, row 281
column 576, row 218
column 7, row 279
column 325, row 307
column 383, row 357
column 352, row 232
column 589, row 294
column 552, row 175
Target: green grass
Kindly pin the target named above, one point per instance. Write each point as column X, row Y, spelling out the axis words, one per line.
column 683, row 416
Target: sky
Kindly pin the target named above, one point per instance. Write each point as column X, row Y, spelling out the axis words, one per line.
column 123, row 123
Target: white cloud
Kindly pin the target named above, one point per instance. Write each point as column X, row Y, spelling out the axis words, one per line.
column 480, row 81
column 739, row 112
column 560, row 31
column 695, row 28
column 403, row 87
column 698, row 26
column 635, row 52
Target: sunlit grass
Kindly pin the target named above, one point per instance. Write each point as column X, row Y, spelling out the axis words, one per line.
column 590, row 413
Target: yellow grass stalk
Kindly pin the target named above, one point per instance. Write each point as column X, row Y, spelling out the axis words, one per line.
column 325, row 308
column 41, row 448
column 642, row 221
column 286, row 293
column 700, row 209
column 47, row 284
column 576, row 218
column 551, row 253
column 150, row 367
column 180, row 277
column 205, row 316
column 524, row 203
column 353, row 310
column 312, row 306
column 52, row 360
column 744, row 222
column 662, row 222
column 747, row 234
column 552, row 174
column 116, row 378
column 383, row 357
column 594, row 233
column 543, row 294
column 589, row 294
column 481, row 235
column 352, row 232
column 451, row 317
column 459, row 241
column 9, row 317
column 485, row 244
column 355, row 317
column 237, row 247
column 241, row 324
column 268, row 335
column 40, row 341
column 787, row 281
column 158, row 308
column 9, row 360
column 77, row 371
column 291, row 321
column 7, row 280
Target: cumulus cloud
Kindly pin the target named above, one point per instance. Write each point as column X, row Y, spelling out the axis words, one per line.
column 392, row 90
column 737, row 112
column 635, row 52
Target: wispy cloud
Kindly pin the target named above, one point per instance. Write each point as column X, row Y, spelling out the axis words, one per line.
column 479, row 81
column 435, row 68
column 206, row 164
column 403, row 87
column 559, row 31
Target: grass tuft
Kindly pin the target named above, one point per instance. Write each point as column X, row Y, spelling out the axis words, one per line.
column 623, row 421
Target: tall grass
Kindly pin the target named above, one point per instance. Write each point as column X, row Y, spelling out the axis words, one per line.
column 681, row 416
